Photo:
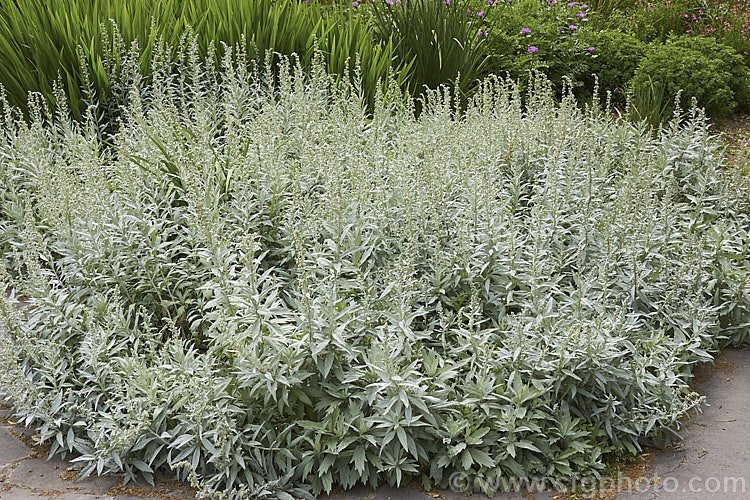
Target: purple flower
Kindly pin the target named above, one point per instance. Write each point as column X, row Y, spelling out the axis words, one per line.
column 584, row 6
column 447, row 2
column 525, row 31
column 581, row 15
column 572, row 27
column 480, row 13
column 572, row 4
column 532, row 49
column 591, row 49
column 355, row 4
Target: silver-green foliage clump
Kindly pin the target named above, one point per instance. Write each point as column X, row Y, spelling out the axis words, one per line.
column 261, row 283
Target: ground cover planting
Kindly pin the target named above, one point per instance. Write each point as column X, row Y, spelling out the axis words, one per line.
column 281, row 247
column 258, row 285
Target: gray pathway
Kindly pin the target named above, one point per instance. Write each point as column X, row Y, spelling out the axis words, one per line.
column 712, row 463
column 714, row 460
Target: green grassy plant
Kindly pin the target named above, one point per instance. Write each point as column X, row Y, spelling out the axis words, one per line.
column 77, row 40
column 439, row 39
column 40, row 41
column 649, row 102
column 267, row 290
column 605, row 12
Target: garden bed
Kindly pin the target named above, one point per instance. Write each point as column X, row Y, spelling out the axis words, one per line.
column 281, row 293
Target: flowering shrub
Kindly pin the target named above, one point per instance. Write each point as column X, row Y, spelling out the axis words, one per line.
column 526, row 35
column 726, row 22
column 656, row 20
column 259, row 286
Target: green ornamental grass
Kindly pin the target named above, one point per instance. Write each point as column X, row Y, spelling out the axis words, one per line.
column 98, row 50
column 442, row 40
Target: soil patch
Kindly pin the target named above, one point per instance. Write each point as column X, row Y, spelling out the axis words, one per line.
column 735, row 130
column 38, row 450
column 165, row 489
column 703, row 372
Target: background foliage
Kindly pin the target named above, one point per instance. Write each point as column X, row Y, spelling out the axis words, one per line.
column 439, row 39
column 538, row 35
column 726, row 22
column 702, row 68
column 658, row 20
column 613, row 63
column 428, row 43
column 99, row 49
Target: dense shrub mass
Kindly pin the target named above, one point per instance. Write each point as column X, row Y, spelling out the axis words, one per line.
column 538, row 35
column 259, row 282
column 699, row 67
column 615, row 59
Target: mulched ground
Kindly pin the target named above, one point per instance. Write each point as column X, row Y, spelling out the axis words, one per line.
column 735, row 131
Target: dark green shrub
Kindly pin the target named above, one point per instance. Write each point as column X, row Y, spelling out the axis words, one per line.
column 733, row 62
column 614, row 59
column 701, row 68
